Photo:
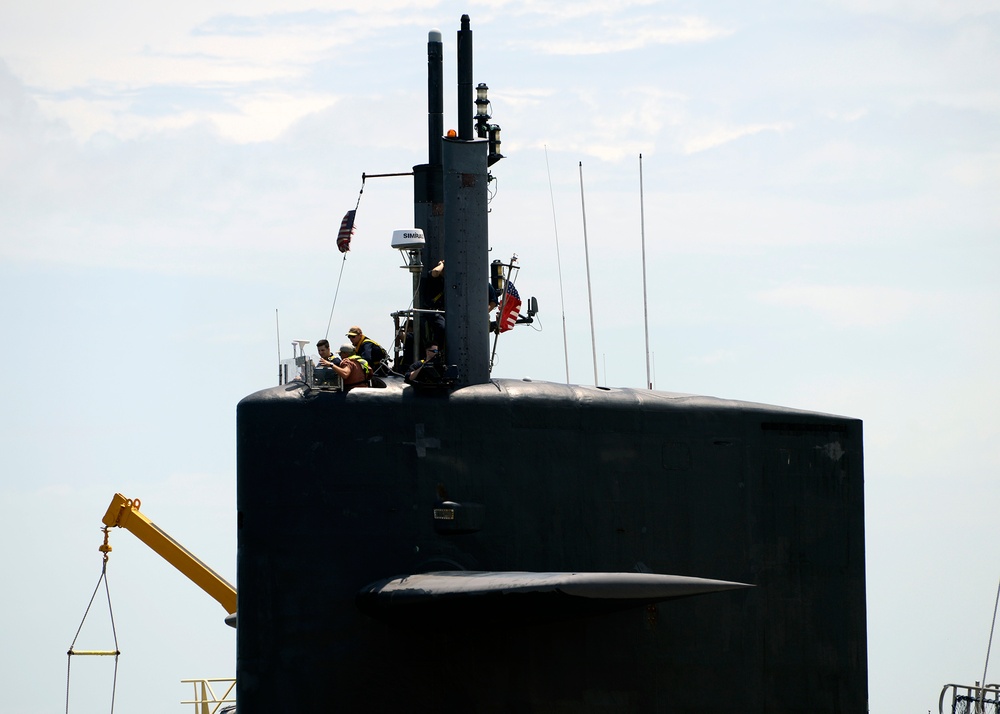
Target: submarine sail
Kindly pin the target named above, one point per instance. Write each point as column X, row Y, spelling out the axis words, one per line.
column 631, row 551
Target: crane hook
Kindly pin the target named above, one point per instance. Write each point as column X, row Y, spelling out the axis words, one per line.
column 105, row 547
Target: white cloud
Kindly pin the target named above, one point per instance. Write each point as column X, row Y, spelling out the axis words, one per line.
column 979, row 171
column 266, row 116
column 252, row 117
column 921, row 10
column 717, row 357
column 116, row 25
column 560, row 10
column 251, row 66
column 621, row 35
column 526, row 98
column 194, row 46
column 618, row 124
column 188, row 61
column 847, row 116
column 724, row 135
column 847, row 305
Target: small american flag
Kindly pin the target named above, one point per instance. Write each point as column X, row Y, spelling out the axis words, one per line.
column 510, row 308
column 346, row 231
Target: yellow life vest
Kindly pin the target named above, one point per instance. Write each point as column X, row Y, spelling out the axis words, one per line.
column 381, row 349
column 364, row 365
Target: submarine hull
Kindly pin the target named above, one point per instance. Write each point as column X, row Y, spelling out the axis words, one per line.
column 338, row 493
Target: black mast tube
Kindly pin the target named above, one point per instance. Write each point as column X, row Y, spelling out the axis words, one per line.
column 465, row 97
column 428, row 186
column 435, row 97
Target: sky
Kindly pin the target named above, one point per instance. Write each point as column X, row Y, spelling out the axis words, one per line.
column 820, row 214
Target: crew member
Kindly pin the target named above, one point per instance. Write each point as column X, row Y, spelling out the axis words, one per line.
column 352, row 369
column 433, row 299
column 404, row 348
column 369, row 350
column 323, row 371
column 433, row 291
column 427, row 370
column 325, row 356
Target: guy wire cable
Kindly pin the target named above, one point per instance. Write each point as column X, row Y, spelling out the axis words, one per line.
column 335, row 294
column 555, row 230
column 343, row 263
column 350, row 230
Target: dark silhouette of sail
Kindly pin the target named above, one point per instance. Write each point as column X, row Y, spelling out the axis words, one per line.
column 500, row 545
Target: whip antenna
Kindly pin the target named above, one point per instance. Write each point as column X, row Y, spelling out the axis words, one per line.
column 277, row 334
column 586, row 254
column 990, row 645
column 645, row 304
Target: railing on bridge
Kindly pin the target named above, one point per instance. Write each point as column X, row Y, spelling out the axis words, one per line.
column 966, row 699
column 207, row 701
column 301, row 368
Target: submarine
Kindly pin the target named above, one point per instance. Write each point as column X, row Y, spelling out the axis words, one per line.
column 483, row 544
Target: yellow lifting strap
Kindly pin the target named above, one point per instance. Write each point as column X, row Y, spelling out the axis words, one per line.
column 105, row 549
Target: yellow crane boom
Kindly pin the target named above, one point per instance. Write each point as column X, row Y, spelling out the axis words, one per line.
column 124, row 513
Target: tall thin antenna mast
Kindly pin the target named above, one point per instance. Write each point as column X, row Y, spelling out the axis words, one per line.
column 990, row 645
column 555, row 229
column 277, row 333
column 645, row 304
column 586, row 255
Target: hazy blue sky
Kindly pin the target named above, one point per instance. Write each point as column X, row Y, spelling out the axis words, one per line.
column 822, row 223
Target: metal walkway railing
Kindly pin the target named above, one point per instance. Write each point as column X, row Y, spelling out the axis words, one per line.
column 206, row 701
column 966, row 699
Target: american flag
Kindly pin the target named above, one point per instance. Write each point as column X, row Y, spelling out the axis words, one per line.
column 510, row 308
column 346, row 231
